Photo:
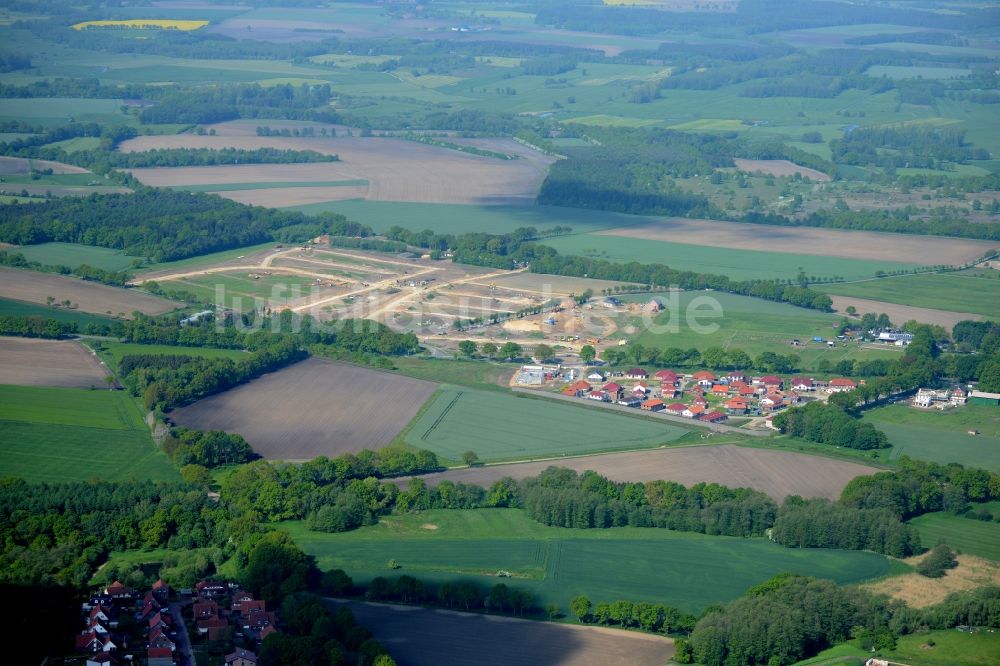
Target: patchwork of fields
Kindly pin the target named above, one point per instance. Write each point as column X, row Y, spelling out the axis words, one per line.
column 681, row 569
column 777, row 473
column 393, row 170
column 500, row 426
column 313, row 408
column 66, row 434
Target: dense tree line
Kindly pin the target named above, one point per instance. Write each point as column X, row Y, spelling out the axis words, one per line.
column 159, row 223
column 917, row 487
column 819, row 523
column 228, row 102
column 33, row 326
column 367, row 244
column 173, row 157
column 829, row 424
column 561, row 498
column 169, row 381
column 207, row 449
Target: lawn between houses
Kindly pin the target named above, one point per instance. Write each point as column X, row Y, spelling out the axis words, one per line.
column 682, row 569
column 64, row 434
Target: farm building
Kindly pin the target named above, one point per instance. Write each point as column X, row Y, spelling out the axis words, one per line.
column 600, row 396
column 898, row 338
column 720, row 389
column 704, row 378
column 714, row 417
column 653, row 405
column 636, row 373
column 629, row 401
column 676, row 408
column 693, row 412
column 940, row 398
column 984, row 398
column 595, row 377
column 640, row 390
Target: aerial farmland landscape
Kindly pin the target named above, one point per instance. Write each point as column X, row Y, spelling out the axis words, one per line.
column 475, row 332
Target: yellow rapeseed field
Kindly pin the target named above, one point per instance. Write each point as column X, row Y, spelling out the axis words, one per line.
column 141, row 24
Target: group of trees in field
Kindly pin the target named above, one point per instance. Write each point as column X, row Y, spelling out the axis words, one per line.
column 161, row 224
column 982, row 337
column 829, row 424
column 207, row 449
column 33, row 326
column 561, row 498
column 172, row 380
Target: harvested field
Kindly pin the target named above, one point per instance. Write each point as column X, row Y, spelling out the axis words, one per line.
column 396, row 170
column 32, row 362
column 416, row 636
column 10, row 166
column 777, row 473
column 282, row 197
column 779, row 168
column 869, row 245
column 313, row 408
column 903, row 313
column 919, row 591
column 35, row 287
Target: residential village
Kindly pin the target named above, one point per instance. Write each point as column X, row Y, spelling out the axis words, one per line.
column 161, row 627
column 702, row 396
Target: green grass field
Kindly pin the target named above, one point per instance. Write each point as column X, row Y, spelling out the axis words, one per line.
column 737, row 264
column 750, row 324
column 474, row 374
column 951, row 648
column 59, row 434
column 942, row 437
column 957, row 292
column 968, row 535
column 242, row 292
column 459, row 419
column 115, row 351
column 209, row 259
column 682, row 569
column 22, row 309
column 457, row 218
column 73, row 255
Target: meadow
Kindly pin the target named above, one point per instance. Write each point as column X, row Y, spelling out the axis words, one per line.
column 73, row 255
column 62, row 434
column 930, row 648
column 681, row 569
column 752, row 325
column 942, row 437
column 974, row 291
column 459, row 420
column 736, row 263
column 967, row 535
column 242, row 292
